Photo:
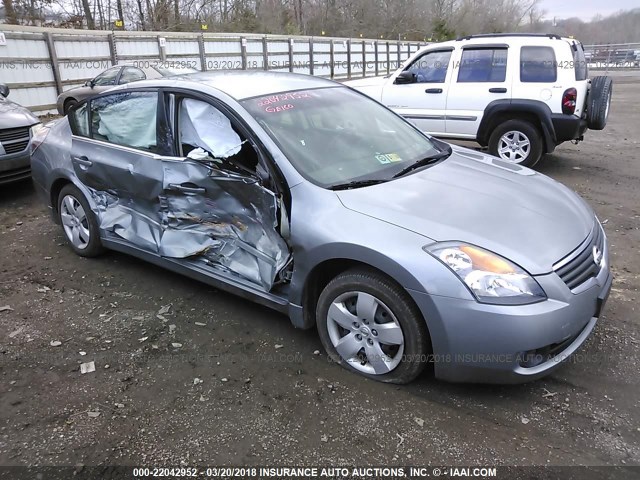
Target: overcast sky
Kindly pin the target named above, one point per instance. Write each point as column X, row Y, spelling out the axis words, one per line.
column 585, row 9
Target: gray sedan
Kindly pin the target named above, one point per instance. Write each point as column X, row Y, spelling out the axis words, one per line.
column 17, row 124
column 308, row 197
column 119, row 75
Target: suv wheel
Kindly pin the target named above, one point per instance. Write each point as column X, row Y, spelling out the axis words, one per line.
column 599, row 102
column 368, row 324
column 516, row 141
column 78, row 222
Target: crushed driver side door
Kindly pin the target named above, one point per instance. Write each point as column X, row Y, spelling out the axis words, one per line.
column 214, row 206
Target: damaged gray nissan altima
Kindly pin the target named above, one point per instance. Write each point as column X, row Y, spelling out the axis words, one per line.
column 308, row 197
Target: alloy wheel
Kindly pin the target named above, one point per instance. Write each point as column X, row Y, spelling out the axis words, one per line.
column 75, row 222
column 514, row 147
column 365, row 333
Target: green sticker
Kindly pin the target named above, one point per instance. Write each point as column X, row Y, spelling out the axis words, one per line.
column 388, row 158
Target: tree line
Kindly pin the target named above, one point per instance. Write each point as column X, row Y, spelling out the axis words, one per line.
column 423, row 20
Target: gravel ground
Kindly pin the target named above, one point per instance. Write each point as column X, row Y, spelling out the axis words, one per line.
column 186, row 374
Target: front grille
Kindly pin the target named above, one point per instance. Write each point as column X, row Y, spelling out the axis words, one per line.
column 536, row 357
column 14, row 140
column 581, row 267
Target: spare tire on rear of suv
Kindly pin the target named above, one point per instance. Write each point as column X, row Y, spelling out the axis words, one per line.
column 599, row 102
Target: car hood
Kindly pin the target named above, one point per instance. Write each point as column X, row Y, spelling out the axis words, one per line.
column 367, row 82
column 522, row 215
column 13, row 115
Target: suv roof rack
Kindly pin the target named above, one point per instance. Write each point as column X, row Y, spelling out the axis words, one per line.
column 491, row 35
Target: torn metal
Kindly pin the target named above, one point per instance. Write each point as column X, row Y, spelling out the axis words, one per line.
column 229, row 221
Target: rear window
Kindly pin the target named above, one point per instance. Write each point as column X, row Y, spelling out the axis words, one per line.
column 483, row 65
column 579, row 62
column 538, row 64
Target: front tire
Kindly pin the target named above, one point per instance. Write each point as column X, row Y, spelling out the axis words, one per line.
column 78, row 222
column 69, row 104
column 369, row 325
column 517, row 141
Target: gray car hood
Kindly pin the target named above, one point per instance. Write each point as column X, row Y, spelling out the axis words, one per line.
column 513, row 211
column 13, row 115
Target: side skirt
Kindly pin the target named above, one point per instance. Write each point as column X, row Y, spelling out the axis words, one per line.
column 192, row 269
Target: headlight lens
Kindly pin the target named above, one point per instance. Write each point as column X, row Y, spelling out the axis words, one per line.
column 36, row 128
column 491, row 278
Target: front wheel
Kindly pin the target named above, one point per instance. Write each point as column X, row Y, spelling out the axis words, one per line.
column 69, row 104
column 369, row 325
column 516, row 141
column 78, row 222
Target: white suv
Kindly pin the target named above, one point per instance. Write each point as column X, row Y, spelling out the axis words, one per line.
column 520, row 95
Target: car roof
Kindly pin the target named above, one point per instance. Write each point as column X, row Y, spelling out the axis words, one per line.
column 246, row 84
column 515, row 39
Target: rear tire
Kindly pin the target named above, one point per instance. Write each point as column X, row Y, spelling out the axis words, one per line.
column 78, row 222
column 599, row 102
column 517, row 141
column 375, row 325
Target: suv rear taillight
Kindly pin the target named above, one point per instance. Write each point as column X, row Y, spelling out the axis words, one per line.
column 569, row 99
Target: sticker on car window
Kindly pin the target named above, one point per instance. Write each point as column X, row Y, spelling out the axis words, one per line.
column 388, row 158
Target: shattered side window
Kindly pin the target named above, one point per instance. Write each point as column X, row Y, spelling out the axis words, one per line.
column 79, row 121
column 205, row 133
column 127, row 119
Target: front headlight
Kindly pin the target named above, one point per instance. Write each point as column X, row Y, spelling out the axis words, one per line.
column 36, row 128
column 491, row 278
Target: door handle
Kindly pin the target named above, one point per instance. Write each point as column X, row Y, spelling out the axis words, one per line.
column 187, row 188
column 497, row 90
column 433, row 90
column 84, row 161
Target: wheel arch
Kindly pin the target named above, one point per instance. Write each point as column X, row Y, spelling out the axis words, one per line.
column 54, row 192
column 56, row 187
column 536, row 112
column 307, row 283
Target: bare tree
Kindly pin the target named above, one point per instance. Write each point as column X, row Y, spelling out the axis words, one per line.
column 88, row 14
column 10, row 12
column 381, row 19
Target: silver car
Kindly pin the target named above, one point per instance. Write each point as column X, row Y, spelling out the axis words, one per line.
column 119, row 74
column 306, row 196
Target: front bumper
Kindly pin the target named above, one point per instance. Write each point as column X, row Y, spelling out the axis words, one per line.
column 15, row 167
column 480, row 343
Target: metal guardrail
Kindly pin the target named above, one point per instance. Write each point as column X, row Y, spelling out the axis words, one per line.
column 613, row 56
column 39, row 63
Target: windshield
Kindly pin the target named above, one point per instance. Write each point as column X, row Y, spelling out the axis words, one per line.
column 335, row 135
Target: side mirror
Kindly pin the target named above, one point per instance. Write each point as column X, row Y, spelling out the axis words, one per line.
column 405, row 78
column 4, row 90
column 89, row 83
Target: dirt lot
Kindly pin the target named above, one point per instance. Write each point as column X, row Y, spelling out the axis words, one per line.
column 245, row 388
